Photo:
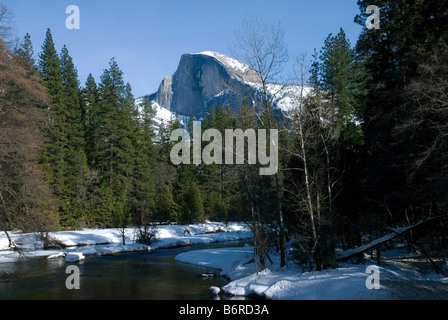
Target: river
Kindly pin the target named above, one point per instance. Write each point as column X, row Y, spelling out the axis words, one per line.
column 152, row 275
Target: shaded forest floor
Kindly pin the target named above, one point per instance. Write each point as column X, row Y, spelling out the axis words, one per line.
column 421, row 282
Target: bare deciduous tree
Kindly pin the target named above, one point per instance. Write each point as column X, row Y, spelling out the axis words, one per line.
column 25, row 198
column 312, row 193
column 7, row 26
column 423, row 132
column 262, row 47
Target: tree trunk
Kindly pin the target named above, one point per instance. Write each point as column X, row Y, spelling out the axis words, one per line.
column 378, row 256
column 255, row 231
column 308, row 187
column 282, row 240
column 257, row 226
column 262, row 241
column 9, row 239
column 344, row 256
column 309, row 196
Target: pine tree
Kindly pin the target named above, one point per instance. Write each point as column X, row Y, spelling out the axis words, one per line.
column 105, row 209
column 122, row 215
column 65, row 150
column 337, row 75
column 194, row 207
column 318, row 123
column 50, row 69
column 25, row 55
column 341, row 138
column 72, row 101
column 121, row 153
column 215, row 209
column 78, row 170
column 147, row 114
column 55, row 153
column 166, row 208
column 144, row 174
column 164, row 144
column 391, row 56
column 91, row 116
column 211, row 175
column 113, row 139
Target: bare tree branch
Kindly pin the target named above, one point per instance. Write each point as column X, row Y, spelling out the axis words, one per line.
column 7, row 29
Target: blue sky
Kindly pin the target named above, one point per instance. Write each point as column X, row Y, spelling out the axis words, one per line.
column 147, row 37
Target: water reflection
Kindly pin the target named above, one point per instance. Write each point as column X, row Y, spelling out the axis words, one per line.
column 134, row 276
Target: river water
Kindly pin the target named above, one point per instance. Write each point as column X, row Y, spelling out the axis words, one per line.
column 152, row 275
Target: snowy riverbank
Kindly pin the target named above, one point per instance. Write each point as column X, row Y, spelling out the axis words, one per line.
column 397, row 280
column 109, row 241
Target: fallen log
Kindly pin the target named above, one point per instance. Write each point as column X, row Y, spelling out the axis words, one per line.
column 395, row 232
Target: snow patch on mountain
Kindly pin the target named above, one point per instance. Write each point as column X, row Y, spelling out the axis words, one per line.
column 235, row 67
column 211, row 79
column 162, row 116
column 285, row 97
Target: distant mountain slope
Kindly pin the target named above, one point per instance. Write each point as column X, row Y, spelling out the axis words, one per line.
column 209, row 79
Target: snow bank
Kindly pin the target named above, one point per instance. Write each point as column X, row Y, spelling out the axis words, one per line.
column 233, row 262
column 340, row 284
column 348, row 282
column 214, row 291
column 74, row 257
column 109, row 241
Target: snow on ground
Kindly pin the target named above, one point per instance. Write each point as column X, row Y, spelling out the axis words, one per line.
column 231, row 261
column 344, row 283
column 109, row 241
column 399, row 277
column 347, row 282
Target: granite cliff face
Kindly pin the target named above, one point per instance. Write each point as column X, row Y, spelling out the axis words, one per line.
column 204, row 80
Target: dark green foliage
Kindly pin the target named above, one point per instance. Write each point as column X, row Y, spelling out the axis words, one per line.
column 337, row 78
column 55, row 150
column 145, row 159
column 95, row 138
column 164, row 143
column 25, row 55
column 393, row 58
column 193, row 206
column 77, row 169
column 165, row 207
column 115, row 130
column 64, row 152
column 325, row 150
column 90, row 101
column 104, row 209
column 215, row 208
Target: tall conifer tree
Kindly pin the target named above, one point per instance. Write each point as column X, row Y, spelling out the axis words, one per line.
column 77, row 169
column 55, row 153
column 391, row 57
column 25, row 54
